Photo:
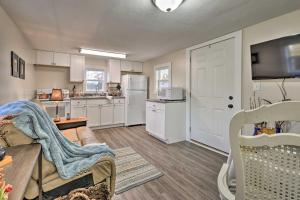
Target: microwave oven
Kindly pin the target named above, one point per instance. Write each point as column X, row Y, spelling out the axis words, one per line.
column 173, row 93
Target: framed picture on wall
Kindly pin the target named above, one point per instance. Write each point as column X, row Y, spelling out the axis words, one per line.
column 14, row 64
column 21, row 68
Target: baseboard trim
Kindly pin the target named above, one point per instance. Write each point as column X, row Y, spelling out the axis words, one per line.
column 209, row 148
column 107, row 126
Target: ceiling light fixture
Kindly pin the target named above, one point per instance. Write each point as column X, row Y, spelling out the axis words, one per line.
column 102, row 53
column 167, row 5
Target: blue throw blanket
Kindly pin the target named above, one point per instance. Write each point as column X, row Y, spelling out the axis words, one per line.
column 69, row 158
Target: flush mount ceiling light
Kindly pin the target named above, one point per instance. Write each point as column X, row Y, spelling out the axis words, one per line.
column 102, row 53
column 167, row 5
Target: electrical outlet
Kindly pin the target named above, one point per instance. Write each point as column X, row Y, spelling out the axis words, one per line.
column 256, row 86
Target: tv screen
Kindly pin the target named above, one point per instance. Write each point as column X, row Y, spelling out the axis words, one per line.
column 278, row 58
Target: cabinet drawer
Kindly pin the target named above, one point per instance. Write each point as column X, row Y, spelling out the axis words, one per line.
column 80, row 102
column 96, row 101
column 119, row 101
column 156, row 106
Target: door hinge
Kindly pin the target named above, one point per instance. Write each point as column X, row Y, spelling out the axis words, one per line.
column 190, row 129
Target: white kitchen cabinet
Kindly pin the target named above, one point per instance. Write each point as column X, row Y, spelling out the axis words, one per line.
column 78, row 108
column 77, row 68
column 78, row 111
column 93, row 115
column 50, row 58
column 44, row 58
column 137, row 67
column 119, row 113
column 166, row 121
column 99, row 112
column 107, row 114
column 131, row 66
column 114, row 71
column 61, row 59
column 126, row 66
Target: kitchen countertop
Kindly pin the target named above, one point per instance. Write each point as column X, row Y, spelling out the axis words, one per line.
column 96, row 97
column 165, row 101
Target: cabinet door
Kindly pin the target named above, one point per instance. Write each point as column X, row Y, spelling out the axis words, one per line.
column 44, row 58
column 78, row 111
column 77, row 68
column 107, row 115
column 137, row 67
column 93, row 115
column 114, row 71
column 159, row 124
column 150, row 119
column 61, row 59
column 119, row 112
column 126, row 66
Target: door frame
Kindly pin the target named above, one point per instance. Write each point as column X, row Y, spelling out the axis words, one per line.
column 237, row 36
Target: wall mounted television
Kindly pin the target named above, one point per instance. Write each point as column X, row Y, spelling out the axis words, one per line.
column 279, row 58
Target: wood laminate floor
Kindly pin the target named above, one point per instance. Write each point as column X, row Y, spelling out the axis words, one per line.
column 190, row 171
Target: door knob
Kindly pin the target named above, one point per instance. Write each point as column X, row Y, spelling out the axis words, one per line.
column 230, row 106
column 230, row 97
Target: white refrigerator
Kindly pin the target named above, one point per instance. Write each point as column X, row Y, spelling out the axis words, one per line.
column 134, row 89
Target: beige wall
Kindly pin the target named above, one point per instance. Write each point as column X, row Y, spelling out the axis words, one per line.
column 177, row 60
column 11, row 39
column 277, row 27
column 58, row 77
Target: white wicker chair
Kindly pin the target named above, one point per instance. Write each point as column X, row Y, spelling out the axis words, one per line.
column 266, row 167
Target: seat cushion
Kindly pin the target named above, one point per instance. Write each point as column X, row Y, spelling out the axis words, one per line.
column 48, row 169
column 71, row 134
column 11, row 136
column 86, row 135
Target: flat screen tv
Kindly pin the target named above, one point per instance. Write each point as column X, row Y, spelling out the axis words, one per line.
column 279, row 58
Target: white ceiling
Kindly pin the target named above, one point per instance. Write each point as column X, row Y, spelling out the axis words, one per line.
column 135, row 26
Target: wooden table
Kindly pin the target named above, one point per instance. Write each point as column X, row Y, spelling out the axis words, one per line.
column 71, row 123
column 20, row 171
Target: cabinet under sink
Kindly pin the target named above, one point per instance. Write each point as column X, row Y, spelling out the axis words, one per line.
column 99, row 112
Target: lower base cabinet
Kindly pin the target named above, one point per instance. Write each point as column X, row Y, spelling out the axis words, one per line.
column 99, row 113
column 93, row 115
column 166, row 121
column 119, row 114
column 107, row 115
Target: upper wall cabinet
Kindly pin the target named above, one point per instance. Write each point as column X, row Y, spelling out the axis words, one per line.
column 130, row 66
column 61, row 59
column 77, row 68
column 137, row 66
column 44, row 58
column 52, row 58
column 114, row 71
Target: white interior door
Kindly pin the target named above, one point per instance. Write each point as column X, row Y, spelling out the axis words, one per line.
column 214, row 98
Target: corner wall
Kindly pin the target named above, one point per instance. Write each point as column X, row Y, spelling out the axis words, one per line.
column 177, row 59
column 281, row 26
column 11, row 39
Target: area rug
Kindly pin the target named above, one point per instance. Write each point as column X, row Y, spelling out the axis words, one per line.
column 133, row 170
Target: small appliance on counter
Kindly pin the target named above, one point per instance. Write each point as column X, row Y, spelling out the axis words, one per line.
column 173, row 93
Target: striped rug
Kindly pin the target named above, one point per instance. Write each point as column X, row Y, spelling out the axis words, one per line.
column 132, row 170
